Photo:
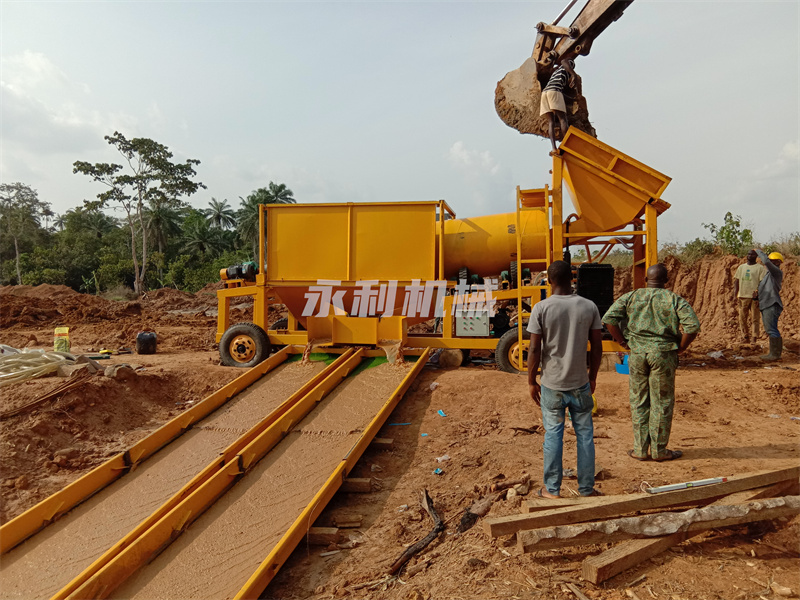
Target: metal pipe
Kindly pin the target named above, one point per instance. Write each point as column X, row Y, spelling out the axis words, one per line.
column 564, row 12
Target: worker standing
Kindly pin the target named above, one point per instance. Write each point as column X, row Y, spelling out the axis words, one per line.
column 745, row 288
column 552, row 101
column 655, row 317
column 560, row 327
column 769, row 301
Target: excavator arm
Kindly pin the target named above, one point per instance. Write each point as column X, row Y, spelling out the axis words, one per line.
column 518, row 93
column 554, row 43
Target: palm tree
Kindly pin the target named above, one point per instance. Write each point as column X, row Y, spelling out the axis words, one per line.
column 247, row 216
column 60, row 222
column 98, row 223
column 163, row 221
column 247, row 219
column 279, row 194
column 199, row 237
column 220, row 214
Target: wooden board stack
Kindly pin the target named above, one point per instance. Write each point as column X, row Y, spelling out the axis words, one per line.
column 672, row 518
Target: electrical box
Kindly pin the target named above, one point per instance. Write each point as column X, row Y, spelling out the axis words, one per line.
column 475, row 325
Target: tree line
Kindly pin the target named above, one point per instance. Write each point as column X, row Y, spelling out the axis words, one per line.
column 158, row 241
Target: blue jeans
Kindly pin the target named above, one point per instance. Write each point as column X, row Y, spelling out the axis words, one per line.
column 554, row 406
column 769, row 316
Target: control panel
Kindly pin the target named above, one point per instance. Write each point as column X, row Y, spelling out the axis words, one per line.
column 476, row 324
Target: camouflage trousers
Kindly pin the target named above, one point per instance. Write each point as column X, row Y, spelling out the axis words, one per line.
column 652, row 398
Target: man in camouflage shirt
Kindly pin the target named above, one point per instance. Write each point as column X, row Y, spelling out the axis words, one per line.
column 654, row 317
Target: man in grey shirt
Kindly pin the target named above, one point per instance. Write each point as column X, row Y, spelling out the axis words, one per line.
column 769, row 301
column 560, row 328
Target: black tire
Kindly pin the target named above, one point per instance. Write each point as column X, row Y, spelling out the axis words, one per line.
column 244, row 345
column 506, row 347
column 279, row 324
column 512, row 274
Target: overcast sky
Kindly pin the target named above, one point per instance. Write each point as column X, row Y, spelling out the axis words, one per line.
column 386, row 101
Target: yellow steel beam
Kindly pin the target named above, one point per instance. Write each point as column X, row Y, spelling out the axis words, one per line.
column 283, row 549
column 160, row 534
column 49, row 509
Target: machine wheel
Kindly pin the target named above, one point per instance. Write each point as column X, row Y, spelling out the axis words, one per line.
column 279, row 324
column 512, row 275
column 507, row 351
column 244, row 345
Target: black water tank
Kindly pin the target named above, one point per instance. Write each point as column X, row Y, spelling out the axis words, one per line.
column 595, row 281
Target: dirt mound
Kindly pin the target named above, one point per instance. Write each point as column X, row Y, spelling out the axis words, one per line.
column 167, row 299
column 52, row 445
column 708, row 286
column 45, row 290
column 210, row 289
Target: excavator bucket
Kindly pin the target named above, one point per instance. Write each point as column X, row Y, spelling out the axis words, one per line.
column 517, row 97
column 609, row 189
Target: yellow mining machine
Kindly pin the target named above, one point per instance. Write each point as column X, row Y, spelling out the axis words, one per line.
column 334, row 266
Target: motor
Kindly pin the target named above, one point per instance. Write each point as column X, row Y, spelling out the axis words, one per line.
column 247, row 271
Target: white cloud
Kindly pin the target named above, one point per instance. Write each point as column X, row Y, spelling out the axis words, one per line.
column 44, row 112
column 464, row 158
column 787, row 164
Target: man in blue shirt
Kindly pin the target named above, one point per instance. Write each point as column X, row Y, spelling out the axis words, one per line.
column 769, row 301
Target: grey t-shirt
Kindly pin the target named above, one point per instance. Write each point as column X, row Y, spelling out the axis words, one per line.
column 564, row 323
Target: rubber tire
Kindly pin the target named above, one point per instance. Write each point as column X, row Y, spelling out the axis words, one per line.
column 259, row 336
column 504, row 346
column 279, row 324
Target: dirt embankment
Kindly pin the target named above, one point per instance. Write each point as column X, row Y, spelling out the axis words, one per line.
column 708, row 286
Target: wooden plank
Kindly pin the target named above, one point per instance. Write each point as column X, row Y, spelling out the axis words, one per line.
column 322, row 536
column 628, row 554
column 357, row 485
column 614, row 506
column 340, row 519
column 536, row 504
column 616, row 530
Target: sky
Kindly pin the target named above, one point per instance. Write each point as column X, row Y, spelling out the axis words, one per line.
column 394, row 101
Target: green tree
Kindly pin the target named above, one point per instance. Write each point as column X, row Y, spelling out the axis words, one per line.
column 163, row 222
column 199, row 237
column 220, row 214
column 247, row 216
column 149, row 176
column 730, row 237
column 21, row 212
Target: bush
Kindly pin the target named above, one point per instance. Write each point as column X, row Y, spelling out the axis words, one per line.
column 788, row 245
column 730, row 237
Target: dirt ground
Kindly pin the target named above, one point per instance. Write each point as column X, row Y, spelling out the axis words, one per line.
column 732, row 415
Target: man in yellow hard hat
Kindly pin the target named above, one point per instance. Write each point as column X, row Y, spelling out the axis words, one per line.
column 769, row 301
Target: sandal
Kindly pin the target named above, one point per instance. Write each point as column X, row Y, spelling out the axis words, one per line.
column 671, row 455
column 541, row 494
column 633, row 456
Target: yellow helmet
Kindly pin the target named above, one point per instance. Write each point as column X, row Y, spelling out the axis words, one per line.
column 776, row 256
